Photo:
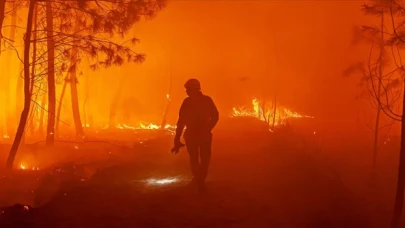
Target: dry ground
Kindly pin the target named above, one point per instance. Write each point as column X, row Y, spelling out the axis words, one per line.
column 274, row 180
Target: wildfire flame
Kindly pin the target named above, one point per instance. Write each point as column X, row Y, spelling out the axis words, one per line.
column 258, row 110
column 267, row 114
column 24, row 167
column 141, row 126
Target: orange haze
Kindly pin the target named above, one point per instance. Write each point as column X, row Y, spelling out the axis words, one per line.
column 240, row 50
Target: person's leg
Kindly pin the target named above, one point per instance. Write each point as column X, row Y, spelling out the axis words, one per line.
column 192, row 148
column 205, row 155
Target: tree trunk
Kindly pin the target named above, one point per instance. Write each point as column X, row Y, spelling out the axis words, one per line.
column 114, row 104
column 168, row 101
column 377, row 120
column 86, row 99
column 33, row 67
column 113, row 112
column 75, row 102
column 62, row 95
column 264, row 116
column 376, row 133
column 87, row 113
column 73, row 88
column 274, row 111
column 50, row 134
column 84, row 111
column 42, row 114
column 2, row 15
column 399, row 198
column 19, row 89
column 164, row 120
column 27, row 93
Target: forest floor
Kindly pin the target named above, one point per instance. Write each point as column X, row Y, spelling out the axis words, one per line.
column 270, row 181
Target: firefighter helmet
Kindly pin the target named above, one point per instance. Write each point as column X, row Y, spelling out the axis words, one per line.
column 193, row 84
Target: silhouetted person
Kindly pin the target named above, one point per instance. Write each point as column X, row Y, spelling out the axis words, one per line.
column 199, row 115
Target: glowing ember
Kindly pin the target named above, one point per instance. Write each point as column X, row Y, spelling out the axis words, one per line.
column 150, row 126
column 23, row 167
column 267, row 114
column 161, row 181
column 141, row 126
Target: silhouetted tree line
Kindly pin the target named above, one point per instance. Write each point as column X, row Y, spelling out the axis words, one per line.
column 59, row 37
column 383, row 77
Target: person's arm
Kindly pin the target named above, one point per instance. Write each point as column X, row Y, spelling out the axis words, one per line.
column 214, row 114
column 181, row 121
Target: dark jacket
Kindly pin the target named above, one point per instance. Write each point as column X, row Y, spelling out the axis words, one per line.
column 199, row 115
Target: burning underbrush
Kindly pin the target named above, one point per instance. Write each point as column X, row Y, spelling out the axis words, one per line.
column 244, row 125
column 258, row 118
column 272, row 115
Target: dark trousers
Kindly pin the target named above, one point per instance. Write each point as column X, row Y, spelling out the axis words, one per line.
column 199, row 149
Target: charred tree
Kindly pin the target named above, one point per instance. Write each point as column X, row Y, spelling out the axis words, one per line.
column 87, row 112
column 42, row 112
column 397, row 40
column 62, row 96
column 73, row 85
column 396, row 84
column 34, row 57
column 88, row 103
column 274, row 111
column 86, row 100
column 2, row 16
column 19, row 89
column 399, row 197
column 50, row 131
column 168, row 101
column 27, row 92
column 265, row 114
column 114, row 104
column 379, row 85
column 75, row 99
column 378, row 94
column 67, row 44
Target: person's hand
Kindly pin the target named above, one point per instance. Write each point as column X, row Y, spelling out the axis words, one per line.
column 177, row 146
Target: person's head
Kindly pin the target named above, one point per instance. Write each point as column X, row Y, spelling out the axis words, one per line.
column 192, row 86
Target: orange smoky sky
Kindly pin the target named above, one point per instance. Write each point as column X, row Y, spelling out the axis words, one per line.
column 239, row 50
column 245, row 49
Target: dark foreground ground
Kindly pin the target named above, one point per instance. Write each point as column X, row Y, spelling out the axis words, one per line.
column 266, row 181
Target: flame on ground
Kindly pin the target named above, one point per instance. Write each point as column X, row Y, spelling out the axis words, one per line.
column 259, row 110
column 266, row 113
column 25, row 167
column 141, row 126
